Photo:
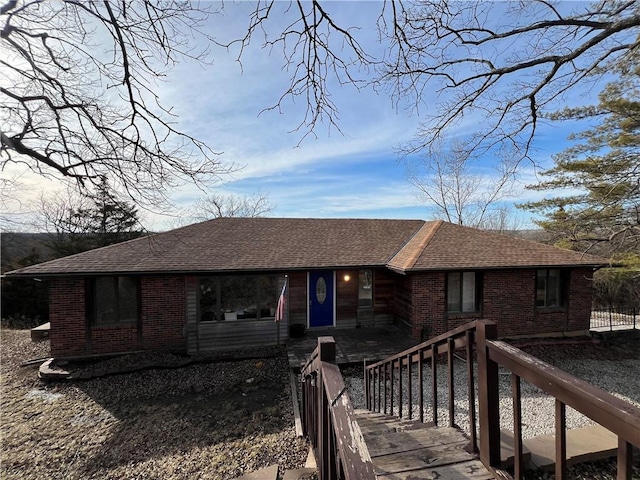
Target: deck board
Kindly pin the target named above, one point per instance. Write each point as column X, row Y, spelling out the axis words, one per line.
column 471, row 470
column 405, row 449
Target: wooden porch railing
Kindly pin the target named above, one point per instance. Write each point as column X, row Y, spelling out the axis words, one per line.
column 614, row 414
column 328, row 418
column 387, row 372
column 618, row 416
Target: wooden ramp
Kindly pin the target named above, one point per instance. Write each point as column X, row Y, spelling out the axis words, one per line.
column 404, row 449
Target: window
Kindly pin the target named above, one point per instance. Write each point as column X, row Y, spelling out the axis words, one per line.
column 209, row 294
column 462, row 292
column 365, row 288
column 115, row 300
column 549, row 287
column 237, row 297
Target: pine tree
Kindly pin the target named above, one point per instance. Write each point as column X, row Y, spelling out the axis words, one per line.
column 101, row 219
column 603, row 169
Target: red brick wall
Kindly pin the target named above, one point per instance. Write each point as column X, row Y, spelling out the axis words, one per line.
column 163, row 318
column 427, row 304
column 164, row 312
column 114, row 338
column 508, row 298
column 67, row 317
column 581, row 286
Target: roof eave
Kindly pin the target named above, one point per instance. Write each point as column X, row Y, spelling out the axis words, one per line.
column 510, row 267
column 18, row 274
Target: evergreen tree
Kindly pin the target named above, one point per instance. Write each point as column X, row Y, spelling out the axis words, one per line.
column 99, row 219
column 603, row 169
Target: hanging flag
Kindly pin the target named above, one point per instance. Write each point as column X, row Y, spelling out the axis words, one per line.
column 281, row 302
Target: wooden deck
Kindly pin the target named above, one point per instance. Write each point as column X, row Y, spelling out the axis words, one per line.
column 404, row 449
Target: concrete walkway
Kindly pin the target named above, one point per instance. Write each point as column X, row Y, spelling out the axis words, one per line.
column 352, row 345
column 583, row 445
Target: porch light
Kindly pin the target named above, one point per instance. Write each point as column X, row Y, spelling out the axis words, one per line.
column 347, row 277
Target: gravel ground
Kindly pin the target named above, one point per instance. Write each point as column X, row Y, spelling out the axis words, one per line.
column 208, row 420
column 614, row 368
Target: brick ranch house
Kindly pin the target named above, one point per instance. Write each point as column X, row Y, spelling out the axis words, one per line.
column 215, row 284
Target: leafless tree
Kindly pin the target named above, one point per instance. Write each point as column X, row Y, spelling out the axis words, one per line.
column 450, row 181
column 501, row 66
column 218, row 205
column 77, row 97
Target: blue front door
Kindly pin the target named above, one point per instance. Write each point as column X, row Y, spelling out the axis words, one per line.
column 321, row 298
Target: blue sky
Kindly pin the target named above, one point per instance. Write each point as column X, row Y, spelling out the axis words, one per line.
column 356, row 173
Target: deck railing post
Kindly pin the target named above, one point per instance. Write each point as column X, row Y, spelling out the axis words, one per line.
column 488, row 396
column 367, row 392
column 326, row 353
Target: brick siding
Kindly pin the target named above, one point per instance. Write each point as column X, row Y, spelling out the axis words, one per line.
column 114, row 339
column 164, row 312
column 67, row 317
column 162, row 322
column 508, row 298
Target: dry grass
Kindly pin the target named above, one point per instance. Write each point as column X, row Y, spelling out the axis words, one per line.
column 209, row 421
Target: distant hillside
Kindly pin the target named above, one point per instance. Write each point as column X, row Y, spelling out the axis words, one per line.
column 16, row 246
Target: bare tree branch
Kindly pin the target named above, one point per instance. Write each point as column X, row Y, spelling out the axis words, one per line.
column 218, row 206
column 447, row 181
column 507, row 63
column 72, row 110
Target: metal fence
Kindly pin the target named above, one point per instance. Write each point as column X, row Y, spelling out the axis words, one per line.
column 614, row 318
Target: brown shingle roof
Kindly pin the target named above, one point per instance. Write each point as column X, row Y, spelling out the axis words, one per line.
column 455, row 247
column 254, row 244
column 234, row 244
column 406, row 258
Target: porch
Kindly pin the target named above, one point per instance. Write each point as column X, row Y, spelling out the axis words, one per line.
column 353, row 345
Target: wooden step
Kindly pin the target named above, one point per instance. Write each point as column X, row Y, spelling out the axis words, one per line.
column 300, row 474
column 507, row 450
column 271, row 473
column 408, row 449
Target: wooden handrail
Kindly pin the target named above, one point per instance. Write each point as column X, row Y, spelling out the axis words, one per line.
column 440, row 340
column 618, row 416
column 379, row 381
column 352, row 449
column 613, row 413
column 329, row 420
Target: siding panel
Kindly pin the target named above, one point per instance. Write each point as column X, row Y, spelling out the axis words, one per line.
column 212, row 336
